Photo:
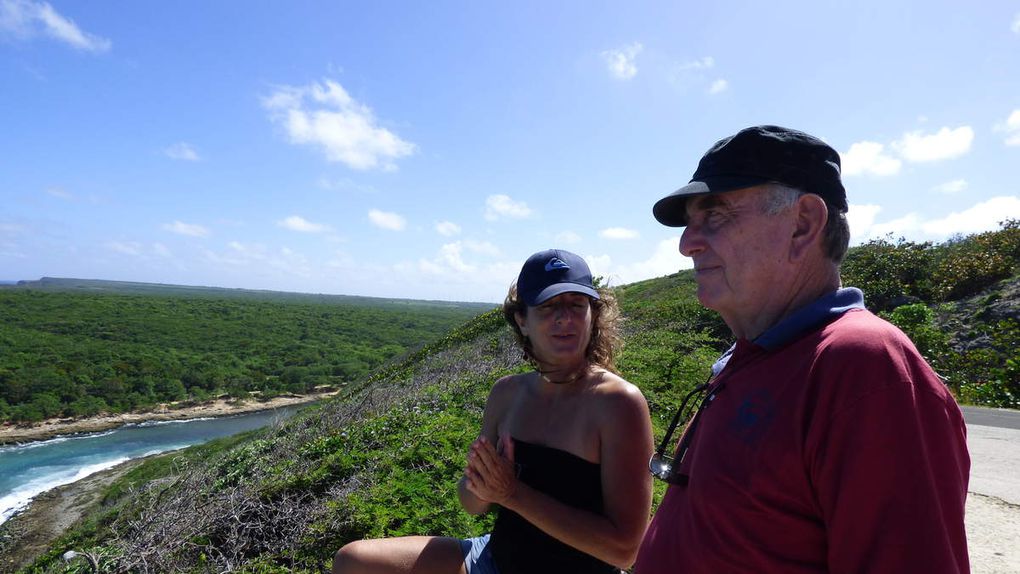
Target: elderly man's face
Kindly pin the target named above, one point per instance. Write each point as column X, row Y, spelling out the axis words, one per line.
column 739, row 253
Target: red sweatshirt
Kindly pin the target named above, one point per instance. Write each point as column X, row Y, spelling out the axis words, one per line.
column 840, row 451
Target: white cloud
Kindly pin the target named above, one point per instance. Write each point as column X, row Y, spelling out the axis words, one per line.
column 618, row 233
column 162, row 250
column 387, row 220
column 697, row 74
column 984, row 216
column 482, row 248
column 60, row 193
column 259, row 259
column 951, row 187
column 497, row 206
column 621, row 62
column 182, row 151
column 945, row 144
column 1012, row 128
column 665, row 260
column 298, row 223
column 860, row 218
column 327, row 117
column 1015, row 27
column 869, row 158
column 447, row 228
column 703, row 64
column 451, row 255
column 26, row 19
column 567, row 238
column 719, row 86
column 189, row 229
column 452, row 272
column 344, row 184
column 126, row 247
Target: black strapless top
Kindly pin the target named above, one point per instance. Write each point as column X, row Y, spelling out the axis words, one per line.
column 517, row 546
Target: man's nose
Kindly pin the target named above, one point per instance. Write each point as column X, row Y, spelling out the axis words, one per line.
column 691, row 241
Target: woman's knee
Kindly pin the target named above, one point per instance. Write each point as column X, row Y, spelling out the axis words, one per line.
column 353, row 558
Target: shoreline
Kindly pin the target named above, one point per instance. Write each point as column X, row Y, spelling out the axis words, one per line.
column 52, row 428
column 30, row 532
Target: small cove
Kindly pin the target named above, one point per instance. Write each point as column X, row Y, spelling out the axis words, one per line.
column 26, row 470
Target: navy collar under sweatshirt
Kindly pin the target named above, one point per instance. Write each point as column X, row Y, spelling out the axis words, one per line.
column 823, row 310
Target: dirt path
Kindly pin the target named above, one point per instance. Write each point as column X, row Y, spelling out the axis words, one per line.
column 993, row 506
column 993, row 535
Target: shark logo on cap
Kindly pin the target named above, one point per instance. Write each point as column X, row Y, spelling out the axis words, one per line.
column 556, row 263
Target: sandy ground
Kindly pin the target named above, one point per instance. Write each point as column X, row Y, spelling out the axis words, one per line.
column 48, row 429
column 993, row 507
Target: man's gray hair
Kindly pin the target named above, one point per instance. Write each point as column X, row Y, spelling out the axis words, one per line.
column 781, row 197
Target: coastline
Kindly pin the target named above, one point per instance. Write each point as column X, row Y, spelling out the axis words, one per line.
column 29, row 533
column 16, row 434
column 49, row 514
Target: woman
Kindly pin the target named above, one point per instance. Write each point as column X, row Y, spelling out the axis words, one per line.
column 562, row 451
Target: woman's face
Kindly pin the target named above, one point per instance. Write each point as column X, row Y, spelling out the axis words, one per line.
column 559, row 328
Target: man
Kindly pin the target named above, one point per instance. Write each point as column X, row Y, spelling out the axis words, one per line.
column 825, row 443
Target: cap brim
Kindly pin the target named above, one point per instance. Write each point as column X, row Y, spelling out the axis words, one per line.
column 559, row 289
column 672, row 209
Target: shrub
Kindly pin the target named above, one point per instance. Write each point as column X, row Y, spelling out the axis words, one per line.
column 888, row 271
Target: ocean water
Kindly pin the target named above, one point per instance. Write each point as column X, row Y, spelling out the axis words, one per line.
column 33, row 468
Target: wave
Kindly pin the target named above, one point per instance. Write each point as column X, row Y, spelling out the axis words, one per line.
column 173, row 422
column 22, row 446
column 19, row 498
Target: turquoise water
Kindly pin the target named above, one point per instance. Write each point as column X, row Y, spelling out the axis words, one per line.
column 30, row 469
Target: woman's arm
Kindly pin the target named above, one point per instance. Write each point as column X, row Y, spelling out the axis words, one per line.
column 625, row 446
column 495, row 406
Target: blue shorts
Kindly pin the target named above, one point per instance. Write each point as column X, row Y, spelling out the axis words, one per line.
column 477, row 556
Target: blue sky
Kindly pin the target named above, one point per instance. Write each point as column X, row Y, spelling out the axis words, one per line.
column 425, row 149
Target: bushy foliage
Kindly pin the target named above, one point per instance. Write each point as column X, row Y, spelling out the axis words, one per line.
column 918, row 322
column 892, row 273
column 383, row 460
column 888, row 272
column 990, row 374
column 79, row 354
column 965, row 266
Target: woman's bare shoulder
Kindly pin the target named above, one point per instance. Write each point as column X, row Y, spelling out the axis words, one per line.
column 507, row 386
column 613, row 385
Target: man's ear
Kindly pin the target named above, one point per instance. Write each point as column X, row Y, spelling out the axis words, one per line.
column 809, row 227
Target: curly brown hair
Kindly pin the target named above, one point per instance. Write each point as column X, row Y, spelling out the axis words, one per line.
column 605, row 320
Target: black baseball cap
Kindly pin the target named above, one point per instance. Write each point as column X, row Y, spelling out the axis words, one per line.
column 755, row 156
column 552, row 272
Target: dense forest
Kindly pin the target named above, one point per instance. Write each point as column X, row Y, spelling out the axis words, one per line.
column 382, row 459
column 78, row 348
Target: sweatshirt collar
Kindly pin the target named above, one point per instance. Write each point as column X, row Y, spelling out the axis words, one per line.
column 823, row 310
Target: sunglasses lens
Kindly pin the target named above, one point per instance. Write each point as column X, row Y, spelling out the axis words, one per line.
column 660, row 467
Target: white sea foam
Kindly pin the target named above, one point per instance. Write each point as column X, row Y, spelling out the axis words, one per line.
column 19, row 498
column 174, row 422
column 16, row 447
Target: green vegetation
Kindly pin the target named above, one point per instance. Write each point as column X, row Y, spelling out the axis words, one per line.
column 383, row 458
column 935, row 293
column 77, row 352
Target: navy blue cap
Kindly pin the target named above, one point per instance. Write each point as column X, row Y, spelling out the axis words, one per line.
column 756, row 156
column 552, row 272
